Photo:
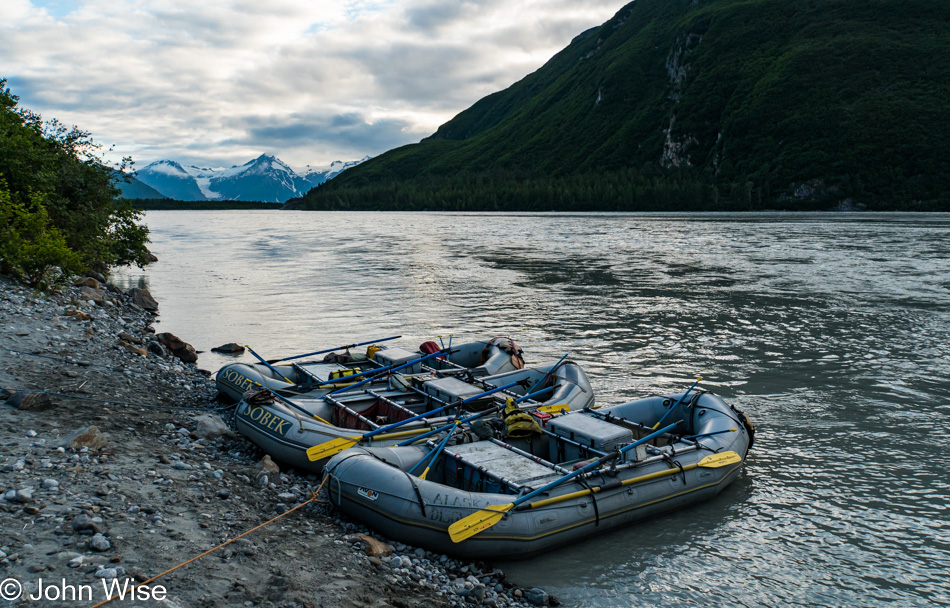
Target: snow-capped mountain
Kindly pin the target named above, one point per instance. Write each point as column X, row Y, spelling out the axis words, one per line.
column 318, row 175
column 172, row 180
column 266, row 178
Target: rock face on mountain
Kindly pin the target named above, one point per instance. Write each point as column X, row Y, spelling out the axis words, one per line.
column 676, row 104
column 266, row 178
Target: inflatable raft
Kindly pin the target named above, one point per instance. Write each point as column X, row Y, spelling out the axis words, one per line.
column 287, row 426
column 585, row 473
column 479, row 358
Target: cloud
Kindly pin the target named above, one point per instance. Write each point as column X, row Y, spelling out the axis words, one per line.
column 218, row 82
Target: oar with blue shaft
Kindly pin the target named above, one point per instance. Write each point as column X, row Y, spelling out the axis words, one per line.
column 269, row 366
column 330, row 350
column 292, row 404
column 550, row 372
column 434, row 453
column 335, row 446
column 382, row 371
column 490, row 410
column 680, row 400
column 487, row 517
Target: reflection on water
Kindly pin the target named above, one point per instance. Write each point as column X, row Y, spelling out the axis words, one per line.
column 832, row 331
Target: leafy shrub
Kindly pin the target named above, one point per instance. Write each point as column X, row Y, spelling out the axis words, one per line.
column 31, row 248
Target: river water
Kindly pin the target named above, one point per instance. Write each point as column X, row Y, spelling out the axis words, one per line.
column 831, row 331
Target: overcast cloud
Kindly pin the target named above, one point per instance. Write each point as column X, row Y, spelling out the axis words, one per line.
column 218, row 82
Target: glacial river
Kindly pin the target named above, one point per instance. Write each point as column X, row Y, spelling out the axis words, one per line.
column 831, row 331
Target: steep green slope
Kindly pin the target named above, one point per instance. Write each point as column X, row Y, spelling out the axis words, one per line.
column 676, row 104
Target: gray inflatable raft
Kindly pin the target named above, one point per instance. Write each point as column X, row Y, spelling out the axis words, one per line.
column 286, row 428
column 693, row 462
column 480, row 358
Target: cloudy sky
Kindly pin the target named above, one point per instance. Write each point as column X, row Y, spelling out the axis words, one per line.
column 218, row 82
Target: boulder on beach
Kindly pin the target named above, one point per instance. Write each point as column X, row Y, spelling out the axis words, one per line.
column 178, row 347
column 31, row 402
column 229, row 348
column 96, row 295
column 143, row 299
column 211, row 426
column 87, row 437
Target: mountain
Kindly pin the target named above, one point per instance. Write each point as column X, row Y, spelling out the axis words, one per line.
column 266, row 178
column 133, row 188
column 172, row 180
column 698, row 104
column 317, row 175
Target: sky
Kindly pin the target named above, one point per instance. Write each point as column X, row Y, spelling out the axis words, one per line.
column 218, row 82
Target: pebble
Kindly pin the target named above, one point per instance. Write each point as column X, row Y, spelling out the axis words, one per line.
column 50, row 484
column 99, row 543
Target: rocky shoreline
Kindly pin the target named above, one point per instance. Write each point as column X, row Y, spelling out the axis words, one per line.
column 137, row 471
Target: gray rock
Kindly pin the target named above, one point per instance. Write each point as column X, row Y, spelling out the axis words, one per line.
column 98, row 277
column 99, row 543
column 85, row 525
column 224, row 493
column 107, row 573
column 477, row 592
column 211, row 426
column 31, row 402
column 536, row 597
column 50, row 484
column 156, row 348
column 96, row 295
column 143, row 299
column 23, row 496
column 88, row 437
column 182, row 466
column 229, row 348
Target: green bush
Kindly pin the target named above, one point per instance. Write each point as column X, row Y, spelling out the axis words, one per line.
column 60, row 207
column 31, row 248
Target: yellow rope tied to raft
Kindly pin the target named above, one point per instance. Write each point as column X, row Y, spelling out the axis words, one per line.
column 224, row 544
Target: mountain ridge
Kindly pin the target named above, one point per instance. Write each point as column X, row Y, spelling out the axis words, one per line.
column 265, row 178
column 688, row 104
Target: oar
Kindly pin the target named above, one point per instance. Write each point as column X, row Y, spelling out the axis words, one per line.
column 269, row 366
column 492, row 410
column 714, row 461
column 435, row 454
column 489, row 516
column 550, row 372
column 291, row 403
column 378, row 372
column 335, row 446
column 330, row 350
column 698, row 380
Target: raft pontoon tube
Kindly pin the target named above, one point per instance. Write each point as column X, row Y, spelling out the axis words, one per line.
column 699, row 457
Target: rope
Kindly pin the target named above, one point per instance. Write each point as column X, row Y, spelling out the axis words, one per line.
column 224, row 544
column 114, row 402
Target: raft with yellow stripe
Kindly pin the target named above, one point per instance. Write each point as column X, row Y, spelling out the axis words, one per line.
column 697, row 458
column 286, row 424
column 479, row 358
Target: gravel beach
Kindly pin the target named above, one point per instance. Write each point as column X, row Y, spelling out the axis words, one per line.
column 101, row 491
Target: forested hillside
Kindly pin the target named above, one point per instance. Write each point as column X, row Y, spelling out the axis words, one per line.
column 698, row 104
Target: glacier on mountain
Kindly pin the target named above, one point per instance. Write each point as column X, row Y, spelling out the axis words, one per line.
column 266, row 178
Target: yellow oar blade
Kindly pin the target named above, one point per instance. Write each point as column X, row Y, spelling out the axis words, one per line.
column 331, row 448
column 477, row 522
column 555, row 409
column 720, row 460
